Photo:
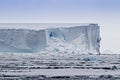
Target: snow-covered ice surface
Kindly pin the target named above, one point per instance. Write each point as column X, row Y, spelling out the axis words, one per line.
column 38, row 26
column 60, row 66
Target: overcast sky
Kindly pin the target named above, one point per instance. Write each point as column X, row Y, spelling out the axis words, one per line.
column 104, row 12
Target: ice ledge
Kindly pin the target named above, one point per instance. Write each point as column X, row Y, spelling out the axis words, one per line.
column 38, row 26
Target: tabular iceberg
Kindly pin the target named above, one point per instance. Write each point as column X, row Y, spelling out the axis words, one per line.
column 84, row 37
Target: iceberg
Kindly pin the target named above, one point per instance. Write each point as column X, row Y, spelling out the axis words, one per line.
column 23, row 38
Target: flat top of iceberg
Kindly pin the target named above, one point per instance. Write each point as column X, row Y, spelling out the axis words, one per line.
column 38, row 26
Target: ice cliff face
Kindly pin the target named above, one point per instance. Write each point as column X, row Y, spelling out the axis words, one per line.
column 84, row 38
column 21, row 40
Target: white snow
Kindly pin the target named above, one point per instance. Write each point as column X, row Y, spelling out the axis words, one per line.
column 38, row 26
column 59, row 65
column 65, row 72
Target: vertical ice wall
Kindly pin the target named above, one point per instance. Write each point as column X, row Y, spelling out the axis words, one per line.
column 22, row 40
column 86, row 38
column 93, row 32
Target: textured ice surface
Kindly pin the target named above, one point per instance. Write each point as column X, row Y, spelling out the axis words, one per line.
column 59, row 67
column 22, row 40
column 35, row 37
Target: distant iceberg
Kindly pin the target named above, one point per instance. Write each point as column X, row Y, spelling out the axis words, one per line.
column 19, row 38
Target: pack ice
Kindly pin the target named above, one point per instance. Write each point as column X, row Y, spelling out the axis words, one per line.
column 38, row 37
